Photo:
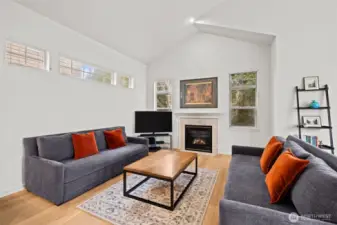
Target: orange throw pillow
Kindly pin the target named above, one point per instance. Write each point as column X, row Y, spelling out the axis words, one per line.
column 270, row 154
column 84, row 145
column 114, row 138
column 283, row 174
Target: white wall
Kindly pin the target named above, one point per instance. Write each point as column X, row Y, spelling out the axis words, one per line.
column 206, row 55
column 306, row 45
column 34, row 102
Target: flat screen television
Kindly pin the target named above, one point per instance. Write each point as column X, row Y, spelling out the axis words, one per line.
column 153, row 122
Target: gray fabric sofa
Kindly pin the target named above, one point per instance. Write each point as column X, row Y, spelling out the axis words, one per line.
column 312, row 200
column 50, row 171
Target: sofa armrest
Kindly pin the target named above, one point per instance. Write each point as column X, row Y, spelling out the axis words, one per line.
column 245, row 150
column 138, row 140
column 45, row 178
column 234, row 213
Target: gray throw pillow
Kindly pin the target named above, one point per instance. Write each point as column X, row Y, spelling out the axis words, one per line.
column 296, row 149
column 280, row 139
column 56, row 147
column 100, row 140
column 314, row 193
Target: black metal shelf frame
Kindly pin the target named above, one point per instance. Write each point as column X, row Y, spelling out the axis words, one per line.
column 304, row 108
column 329, row 127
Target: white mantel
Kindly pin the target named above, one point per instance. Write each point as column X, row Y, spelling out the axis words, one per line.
column 196, row 112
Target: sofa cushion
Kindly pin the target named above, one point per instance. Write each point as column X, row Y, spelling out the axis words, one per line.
column 132, row 149
column 280, row 139
column 315, row 191
column 100, row 140
column 84, row 145
column 246, row 183
column 270, row 154
column 55, row 147
column 75, row 169
column 85, row 183
column 296, row 149
column 114, row 138
column 282, row 175
column 123, row 132
column 330, row 159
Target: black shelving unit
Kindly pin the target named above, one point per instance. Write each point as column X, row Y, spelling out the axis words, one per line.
column 329, row 127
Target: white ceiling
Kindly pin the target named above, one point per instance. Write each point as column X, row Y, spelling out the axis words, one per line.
column 141, row 29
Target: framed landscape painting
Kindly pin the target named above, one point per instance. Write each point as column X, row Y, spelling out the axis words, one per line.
column 199, row 93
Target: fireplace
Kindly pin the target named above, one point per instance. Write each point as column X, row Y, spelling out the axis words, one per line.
column 198, row 138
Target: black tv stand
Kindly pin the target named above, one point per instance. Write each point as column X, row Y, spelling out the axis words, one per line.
column 155, row 145
column 155, row 135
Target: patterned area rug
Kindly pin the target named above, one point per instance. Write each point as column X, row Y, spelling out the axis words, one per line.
column 112, row 206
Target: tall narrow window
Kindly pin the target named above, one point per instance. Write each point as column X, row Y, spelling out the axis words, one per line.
column 77, row 69
column 163, row 95
column 243, row 101
column 27, row 56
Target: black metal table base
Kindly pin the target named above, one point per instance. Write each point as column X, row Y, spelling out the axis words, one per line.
column 173, row 203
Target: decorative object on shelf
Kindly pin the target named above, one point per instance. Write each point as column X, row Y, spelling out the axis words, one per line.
column 303, row 122
column 311, row 121
column 313, row 140
column 311, row 83
column 199, row 93
column 314, row 104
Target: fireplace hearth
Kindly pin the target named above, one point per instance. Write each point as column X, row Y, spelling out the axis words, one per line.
column 198, row 138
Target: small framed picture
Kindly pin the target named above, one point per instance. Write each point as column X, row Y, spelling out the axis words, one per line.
column 312, row 121
column 311, row 83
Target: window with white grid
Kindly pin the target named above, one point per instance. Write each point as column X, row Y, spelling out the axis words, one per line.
column 27, row 56
column 243, row 99
column 81, row 70
column 162, row 95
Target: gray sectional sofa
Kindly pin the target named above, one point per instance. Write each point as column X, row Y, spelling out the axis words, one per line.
column 312, row 200
column 50, row 171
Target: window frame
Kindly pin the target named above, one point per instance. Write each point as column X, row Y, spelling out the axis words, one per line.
column 95, row 67
column 46, row 60
column 243, row 87
column 156, row 93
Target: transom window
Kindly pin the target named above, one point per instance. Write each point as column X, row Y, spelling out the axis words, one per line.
column 77, row 69
column 243, row 101
column 27, row 56
column 127, row 81
column 163, row 95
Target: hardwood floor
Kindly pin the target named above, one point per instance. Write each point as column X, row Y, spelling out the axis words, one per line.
column 24, row 208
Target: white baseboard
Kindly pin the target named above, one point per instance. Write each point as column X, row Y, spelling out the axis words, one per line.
column 14, row 190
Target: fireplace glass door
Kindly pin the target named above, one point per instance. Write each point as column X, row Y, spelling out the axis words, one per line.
column 198, row 138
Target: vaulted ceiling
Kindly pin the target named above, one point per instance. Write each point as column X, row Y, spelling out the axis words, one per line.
column 141, row 29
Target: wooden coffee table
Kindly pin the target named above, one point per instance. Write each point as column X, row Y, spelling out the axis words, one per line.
column 164, row 165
